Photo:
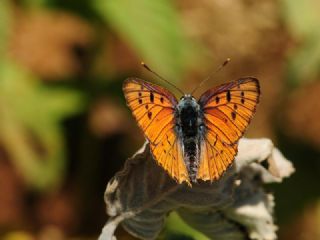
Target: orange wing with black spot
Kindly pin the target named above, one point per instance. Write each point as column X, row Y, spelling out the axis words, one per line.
column 227, row 111
column 154, row 109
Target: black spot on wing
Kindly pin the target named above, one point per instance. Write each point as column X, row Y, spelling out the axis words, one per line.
column 151, row 97
column 140, row 101
column 217, row 99
column 161, row 99
column 242, row 97
column 233, row 115
column 149, row 115
column 228, row 96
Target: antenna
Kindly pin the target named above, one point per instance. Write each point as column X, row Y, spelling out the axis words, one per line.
column 211, row 74
column 163, row 79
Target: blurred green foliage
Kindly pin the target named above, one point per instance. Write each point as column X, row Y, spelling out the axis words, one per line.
column 30, row 124
column 152, row 29
column 303, row 20
column 31, row 115
column 31, row 112
column 4, row 27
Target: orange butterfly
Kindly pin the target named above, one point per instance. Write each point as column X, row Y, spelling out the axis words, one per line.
column 193, row 139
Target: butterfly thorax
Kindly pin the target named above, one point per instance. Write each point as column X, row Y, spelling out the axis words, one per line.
column 189, row 122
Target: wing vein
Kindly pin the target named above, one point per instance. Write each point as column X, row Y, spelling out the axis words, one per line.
column 216, row 126
column 163, row 118
column 144, row 114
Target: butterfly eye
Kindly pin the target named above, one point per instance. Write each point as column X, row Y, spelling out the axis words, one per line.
column 201, row 127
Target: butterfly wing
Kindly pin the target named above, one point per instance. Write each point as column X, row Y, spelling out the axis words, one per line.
column 227, row 111
column 154, row 110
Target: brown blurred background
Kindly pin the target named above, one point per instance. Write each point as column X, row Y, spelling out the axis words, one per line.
column 64, row 126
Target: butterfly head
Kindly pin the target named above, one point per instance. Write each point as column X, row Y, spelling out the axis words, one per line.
column 187, row 97
column 187, row 101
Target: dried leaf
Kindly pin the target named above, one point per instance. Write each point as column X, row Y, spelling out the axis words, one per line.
column 142, row 194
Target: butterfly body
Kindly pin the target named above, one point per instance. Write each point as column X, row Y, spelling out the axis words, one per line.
column 189, row 128
column 193, row 140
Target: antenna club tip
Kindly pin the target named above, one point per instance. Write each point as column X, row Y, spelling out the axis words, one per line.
column 146, row 66
column 226, row 62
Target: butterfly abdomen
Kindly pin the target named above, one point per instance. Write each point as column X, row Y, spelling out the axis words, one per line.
column 191, row 157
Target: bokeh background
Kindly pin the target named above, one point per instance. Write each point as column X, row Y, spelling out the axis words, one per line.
column 64, row 126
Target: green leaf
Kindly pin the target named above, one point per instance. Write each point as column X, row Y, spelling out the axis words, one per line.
column 176, row 226
column 30, row 125
column 152, row 29
column 304, row 62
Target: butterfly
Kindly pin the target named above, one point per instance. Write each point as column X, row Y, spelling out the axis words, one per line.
column 193, row 140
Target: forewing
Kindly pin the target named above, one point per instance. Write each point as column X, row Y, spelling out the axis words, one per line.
column 154, row 110
column 227, row 111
